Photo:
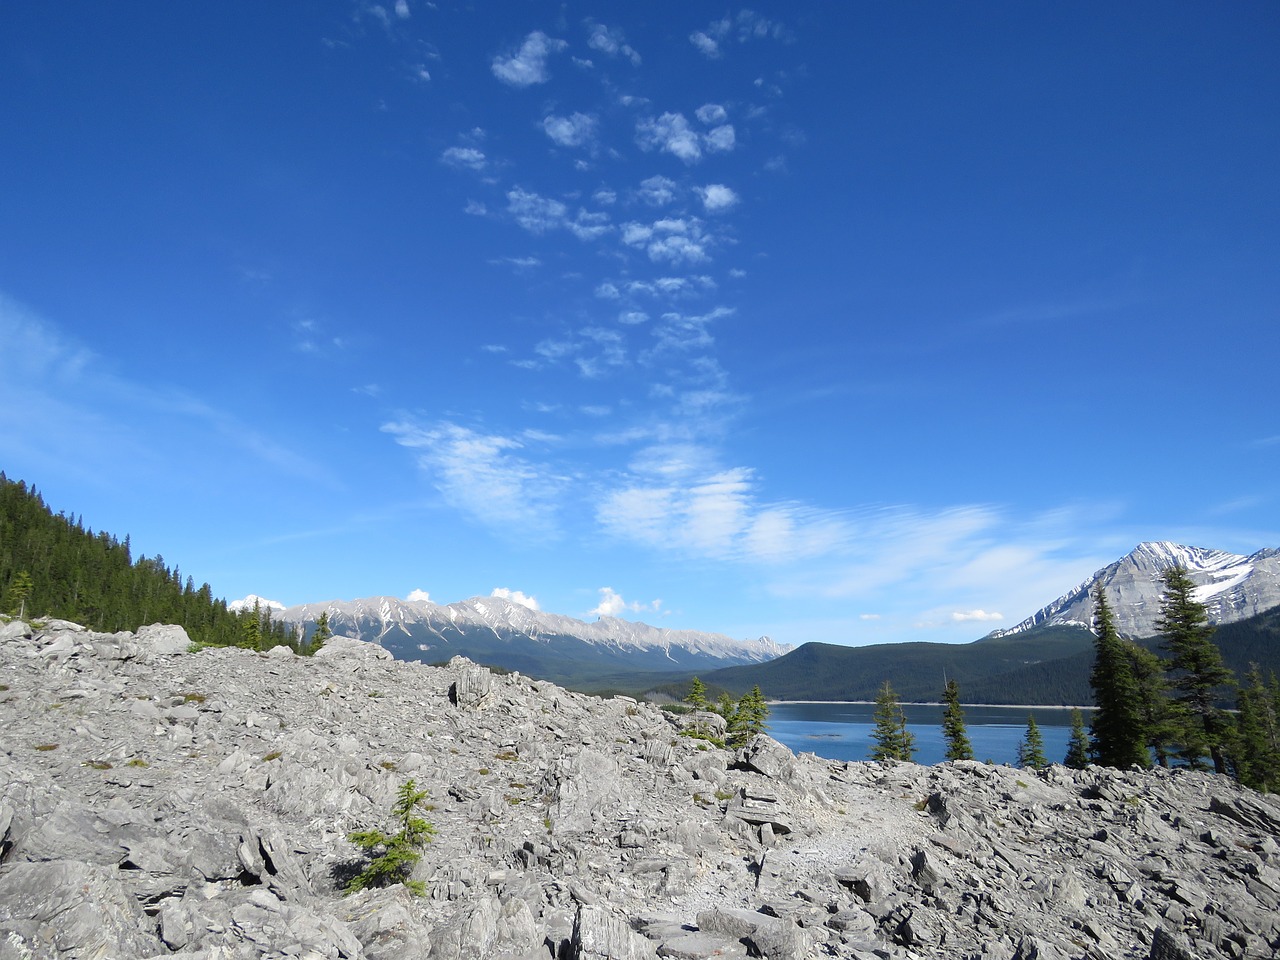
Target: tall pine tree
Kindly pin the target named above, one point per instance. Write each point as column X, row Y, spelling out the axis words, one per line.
column 1077, row 757
column 1118, row 736
column 1031, row 749
column 1198, row 675
column 953, row 728
column 892, row 739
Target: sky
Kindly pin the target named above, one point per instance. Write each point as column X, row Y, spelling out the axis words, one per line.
column 855, row 322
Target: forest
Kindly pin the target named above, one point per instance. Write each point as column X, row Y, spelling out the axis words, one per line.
column 52, row 566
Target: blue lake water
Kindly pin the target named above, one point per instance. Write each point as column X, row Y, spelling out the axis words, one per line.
column 842, row 731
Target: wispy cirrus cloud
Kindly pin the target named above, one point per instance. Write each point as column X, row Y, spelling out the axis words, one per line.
column 528, row 65
column 490, row 477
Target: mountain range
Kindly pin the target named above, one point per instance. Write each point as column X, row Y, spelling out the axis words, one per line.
column 507, row 634
column 1043, row 659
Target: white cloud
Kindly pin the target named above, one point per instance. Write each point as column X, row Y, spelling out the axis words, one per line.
column 528, row 65
column 612, row 605
column 607, row 291
column 720, row 139
column 402, row 9
column 535, row 213
column 632, row 317
column 515, row 596
column 868, row 616
column 675, row 240
column 484, row 475
column 418, row 595
column 716, row 197
column 657, row 191
column 476, row 209
column 670, row 132
column 971, row 616
column 706, row 44
column 539, row 214
column 468, row 157
column 575, row 130
column 710, row 113
column 610, row 41
column 719, row 515
column 605, row 197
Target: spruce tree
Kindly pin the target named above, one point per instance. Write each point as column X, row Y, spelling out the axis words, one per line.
column 891, row 738
column 20, row 589
column 953, row 728
column 1077, row 757
column 1031, row 749
column 1198, row 673
column 392, row 856
column 1157, row 714
column 1257, row 748
column 321, row 634
column 751, row 714
column 697, row 699
column 1118, row 735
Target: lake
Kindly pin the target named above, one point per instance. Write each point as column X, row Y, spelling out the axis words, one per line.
column 842, row 731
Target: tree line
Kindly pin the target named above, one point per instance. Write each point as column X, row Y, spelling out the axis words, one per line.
column 52, row 566
column 1149, row 709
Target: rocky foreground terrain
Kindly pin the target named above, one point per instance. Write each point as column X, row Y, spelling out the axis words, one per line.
column 159, row 802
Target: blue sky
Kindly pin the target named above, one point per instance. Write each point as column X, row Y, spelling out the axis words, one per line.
column 847, row 322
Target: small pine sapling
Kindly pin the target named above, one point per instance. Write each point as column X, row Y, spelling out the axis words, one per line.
column 392, row 857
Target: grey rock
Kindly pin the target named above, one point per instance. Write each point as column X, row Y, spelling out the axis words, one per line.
column 601, row 934
column 164, row 640
column 1169, row 946
column 337, row 648
column 767, row 756
column 64, row 908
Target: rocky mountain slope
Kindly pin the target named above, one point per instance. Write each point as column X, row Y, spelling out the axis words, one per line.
column 510, row 635
column 1230, row 586
column 161, row 803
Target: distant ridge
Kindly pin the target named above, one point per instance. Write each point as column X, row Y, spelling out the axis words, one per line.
column 1232, row 588
column 504, row 633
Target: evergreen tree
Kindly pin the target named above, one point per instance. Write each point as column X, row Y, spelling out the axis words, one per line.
column 1198, row 673
column 1257, row 747
column 891, row 738
column 1077, row 757
column 321, row 633
column 1031, row 749
column 1118, row 735
column 953, row 728
column 1157, row 714
column 251, row 636
column 749, row 718
column 697, row 699
column 20, row 588
column 399, row 851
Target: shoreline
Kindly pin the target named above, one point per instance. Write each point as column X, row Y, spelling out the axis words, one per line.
column 904, row 703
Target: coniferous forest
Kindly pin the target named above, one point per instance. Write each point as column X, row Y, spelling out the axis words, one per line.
column 52, row 566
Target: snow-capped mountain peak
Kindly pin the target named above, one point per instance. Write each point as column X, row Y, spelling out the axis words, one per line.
column 1232, row 587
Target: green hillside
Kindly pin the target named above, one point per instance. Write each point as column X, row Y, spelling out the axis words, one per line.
column 1045, row 666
